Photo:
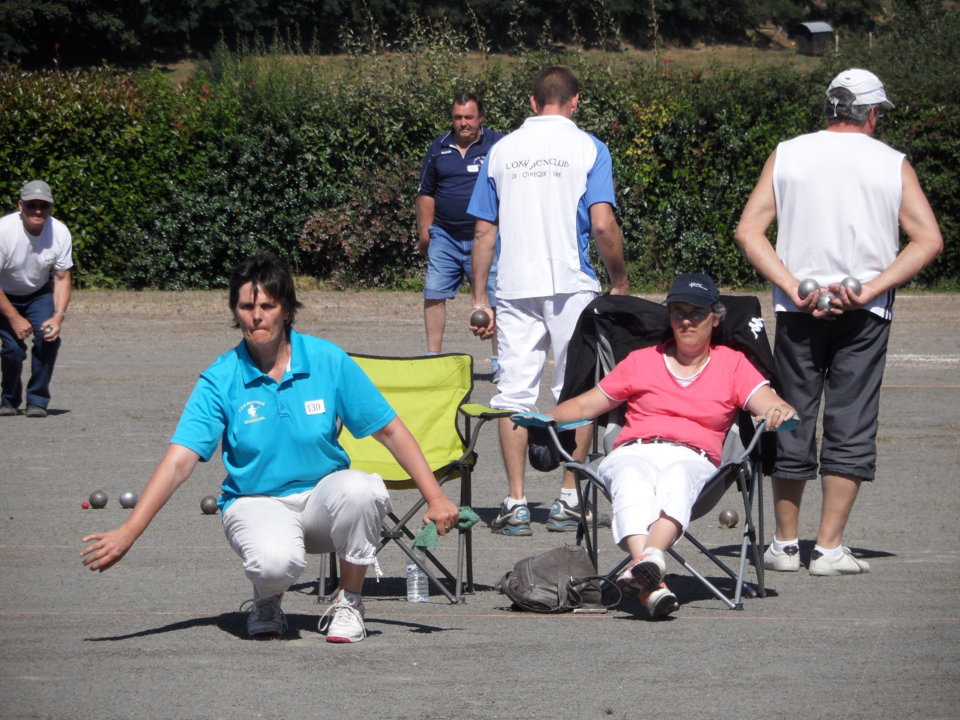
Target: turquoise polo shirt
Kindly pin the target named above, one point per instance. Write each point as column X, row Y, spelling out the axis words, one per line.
column 280, row 438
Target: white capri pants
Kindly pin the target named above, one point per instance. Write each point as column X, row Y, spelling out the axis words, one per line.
column 647, row 481
column 273, row 535
column 526, row 329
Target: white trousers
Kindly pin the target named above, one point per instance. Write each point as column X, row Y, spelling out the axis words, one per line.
column 526, row 329
column 273, row 535
column 647, row 481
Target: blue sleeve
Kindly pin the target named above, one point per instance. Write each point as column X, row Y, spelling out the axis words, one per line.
column 600, row 178
column 202, row 422
column 360, row 405
column 484, row 203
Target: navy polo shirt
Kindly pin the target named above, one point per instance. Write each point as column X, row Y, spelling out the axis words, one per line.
column 280, row 438
column 450, row 177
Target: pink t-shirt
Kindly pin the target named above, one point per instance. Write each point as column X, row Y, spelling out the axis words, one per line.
column 699, row 414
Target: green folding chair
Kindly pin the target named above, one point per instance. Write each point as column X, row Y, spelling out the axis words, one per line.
column 431, row 395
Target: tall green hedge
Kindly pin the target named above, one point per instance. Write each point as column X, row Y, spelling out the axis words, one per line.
column 168, row 186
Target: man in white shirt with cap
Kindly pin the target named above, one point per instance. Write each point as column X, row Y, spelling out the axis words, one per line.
column 36, row 254
column 840, row 198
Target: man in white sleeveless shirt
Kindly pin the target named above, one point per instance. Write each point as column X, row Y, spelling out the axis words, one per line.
column 839, row 197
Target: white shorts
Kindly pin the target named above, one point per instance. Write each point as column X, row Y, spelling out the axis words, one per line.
column 526, row 329
column 646, row 482
column 273, row 535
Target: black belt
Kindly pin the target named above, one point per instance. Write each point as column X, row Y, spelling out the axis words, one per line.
column 660, row 440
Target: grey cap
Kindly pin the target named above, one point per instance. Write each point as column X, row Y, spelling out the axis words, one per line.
column 36, row 190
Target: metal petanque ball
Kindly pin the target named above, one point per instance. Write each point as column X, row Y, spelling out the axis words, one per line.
column 127, row 499
column 729, row 519
column 823, row 302
column 852, row 284
column 208, row 506
column 806, row 287
column 98, row 499
column 480, row 318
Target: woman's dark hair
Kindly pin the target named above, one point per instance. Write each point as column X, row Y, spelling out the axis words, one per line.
column 269, row 273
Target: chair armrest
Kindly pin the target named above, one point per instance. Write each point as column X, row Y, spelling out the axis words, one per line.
column 540, row 420
column 483, row 412
column 785, row 426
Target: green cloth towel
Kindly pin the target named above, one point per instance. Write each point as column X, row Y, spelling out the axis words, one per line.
column 428, row 537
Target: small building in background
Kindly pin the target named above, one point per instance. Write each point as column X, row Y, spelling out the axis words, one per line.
column 813, row 38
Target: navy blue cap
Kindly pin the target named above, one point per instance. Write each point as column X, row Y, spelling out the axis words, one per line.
column 694, row 288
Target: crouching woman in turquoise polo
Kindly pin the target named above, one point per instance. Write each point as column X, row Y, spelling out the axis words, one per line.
column 273, row 404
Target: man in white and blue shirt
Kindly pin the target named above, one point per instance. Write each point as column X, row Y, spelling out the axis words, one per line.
column 546, row 188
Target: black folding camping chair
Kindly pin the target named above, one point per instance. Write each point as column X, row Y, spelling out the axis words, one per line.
column 608, row 330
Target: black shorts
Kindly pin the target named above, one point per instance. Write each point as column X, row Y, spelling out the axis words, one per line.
column 841, row 361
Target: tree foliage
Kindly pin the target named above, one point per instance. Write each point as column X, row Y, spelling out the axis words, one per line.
column 46, row 33
column 168, row 186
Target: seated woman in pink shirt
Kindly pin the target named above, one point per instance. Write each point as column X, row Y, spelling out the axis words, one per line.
column 682, row 397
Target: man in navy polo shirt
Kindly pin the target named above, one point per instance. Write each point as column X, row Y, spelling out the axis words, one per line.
column 449, row 172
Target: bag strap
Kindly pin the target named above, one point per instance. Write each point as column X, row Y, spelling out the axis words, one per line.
column 578, row 582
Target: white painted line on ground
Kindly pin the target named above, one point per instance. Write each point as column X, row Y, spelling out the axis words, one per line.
column 915, row 360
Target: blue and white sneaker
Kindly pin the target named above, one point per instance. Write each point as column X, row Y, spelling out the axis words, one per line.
column 494, row 369
column 564, row 518
column 512, row 522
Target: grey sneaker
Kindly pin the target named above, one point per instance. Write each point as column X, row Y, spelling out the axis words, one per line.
column 35, row 411
column 843, row 564
column 265, row 619
column 564, row 518
column 786, row 560
column 512, row 522
column 7, row 411
column 343, row 621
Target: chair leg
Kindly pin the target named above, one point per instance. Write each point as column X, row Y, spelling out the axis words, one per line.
column 322, row 594
column 453, row 598
column 706, row 583
column 465, row 537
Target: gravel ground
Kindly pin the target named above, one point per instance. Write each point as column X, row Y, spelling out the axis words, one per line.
column 160, row 635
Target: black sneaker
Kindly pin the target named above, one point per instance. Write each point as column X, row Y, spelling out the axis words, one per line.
column 512, row 522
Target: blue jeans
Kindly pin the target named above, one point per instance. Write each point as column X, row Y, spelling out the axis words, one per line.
column 449, row 263
column 36, row 307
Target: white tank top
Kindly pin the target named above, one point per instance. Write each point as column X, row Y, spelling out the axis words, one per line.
column 838, row 201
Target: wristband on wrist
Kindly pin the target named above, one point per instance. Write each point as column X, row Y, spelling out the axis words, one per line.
column 482, row 307
column 60, row 312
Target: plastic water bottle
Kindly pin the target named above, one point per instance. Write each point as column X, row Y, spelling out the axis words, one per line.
column 417, row 583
